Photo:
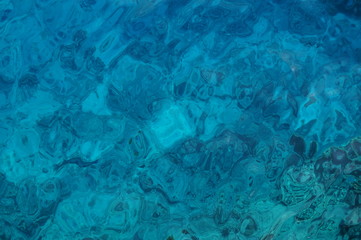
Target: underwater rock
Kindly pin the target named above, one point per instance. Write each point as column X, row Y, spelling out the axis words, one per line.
column 28, row 81
column 339, row 157
column 27, row 197
column 353, row 196
column 297, row 184
column 67, row 57
column 248, row 226
column 49, row 194
column 348, row 7
column 146, row 183
column 238, row 28
column 312, row 150
column 300, row 19
column 356, row 146
column 299, row 145
column 216, row 12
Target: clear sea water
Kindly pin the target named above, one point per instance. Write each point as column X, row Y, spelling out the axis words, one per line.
column 180, row 119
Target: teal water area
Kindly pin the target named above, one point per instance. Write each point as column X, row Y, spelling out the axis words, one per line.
column 180, row 120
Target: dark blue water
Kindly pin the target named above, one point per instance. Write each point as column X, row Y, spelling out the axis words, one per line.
column 180, row 120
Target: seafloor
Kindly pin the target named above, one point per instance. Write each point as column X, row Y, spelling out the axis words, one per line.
column 180, row 119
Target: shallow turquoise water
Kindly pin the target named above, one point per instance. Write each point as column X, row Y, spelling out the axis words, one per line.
column 180, row 120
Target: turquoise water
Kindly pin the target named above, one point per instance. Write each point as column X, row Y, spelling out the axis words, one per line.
column 180, row 120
